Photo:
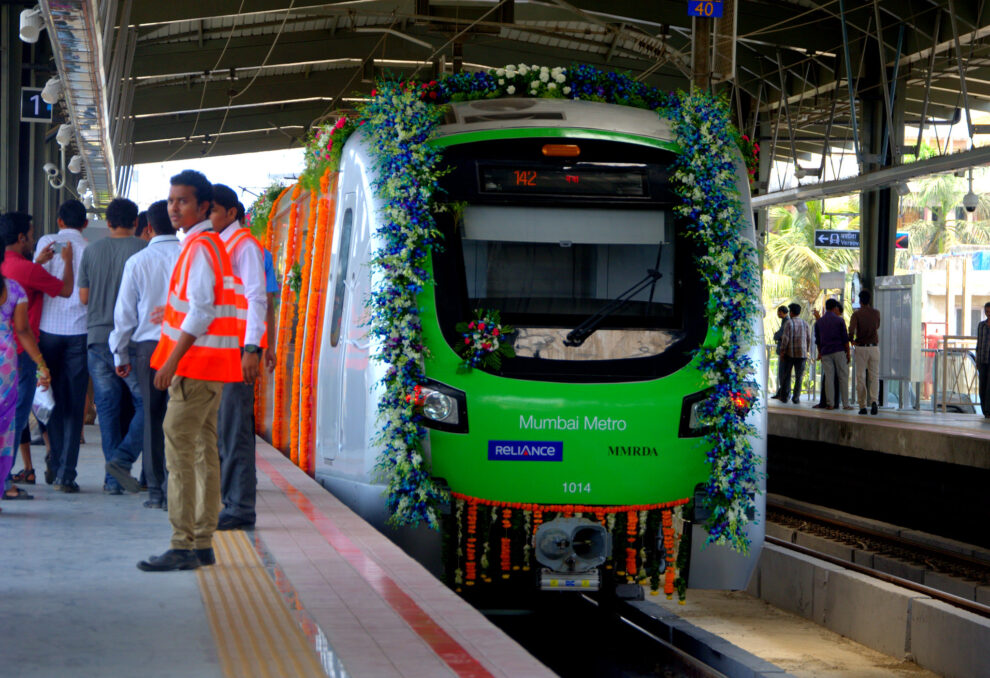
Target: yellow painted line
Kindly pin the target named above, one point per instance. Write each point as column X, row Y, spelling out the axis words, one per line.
column 256, row 634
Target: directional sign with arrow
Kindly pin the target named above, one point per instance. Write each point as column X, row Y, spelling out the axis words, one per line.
column 837, row 240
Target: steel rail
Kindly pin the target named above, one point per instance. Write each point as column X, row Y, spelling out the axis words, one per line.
column 956, row 601
column 896, row 540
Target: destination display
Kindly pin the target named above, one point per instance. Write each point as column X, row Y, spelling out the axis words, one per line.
column 575, row 181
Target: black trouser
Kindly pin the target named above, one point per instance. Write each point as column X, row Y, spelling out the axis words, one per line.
column 66, row 359
column 235, row 432
column 797, row 364
column 155, row 403
column 984, row 370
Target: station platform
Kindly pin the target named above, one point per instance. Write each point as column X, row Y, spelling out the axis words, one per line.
column 311, row 591
column 922, row 434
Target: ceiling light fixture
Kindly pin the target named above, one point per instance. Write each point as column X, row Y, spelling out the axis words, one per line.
column 31, row 25
column 52, row 91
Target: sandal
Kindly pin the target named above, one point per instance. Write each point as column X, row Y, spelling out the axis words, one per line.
column 25, row 476
column 21, row 494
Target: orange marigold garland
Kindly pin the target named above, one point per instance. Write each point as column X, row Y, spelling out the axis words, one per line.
column 671, row 555
column 278, row 416
column 631, row 520
column 506, row 555
column 471, row 567
column 313, row 324
column 261, row 383
column 300, row 456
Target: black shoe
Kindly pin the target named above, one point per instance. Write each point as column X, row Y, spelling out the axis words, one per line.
column 112, row 489
column 862, row 410
column 164, row 505
column 69, row 487
column 873, row 408
column 49, row 471
column 123, row 476
column 151, row 503
column 206, row 556
column 234, row 523
column 796, row 401
column 173, row 559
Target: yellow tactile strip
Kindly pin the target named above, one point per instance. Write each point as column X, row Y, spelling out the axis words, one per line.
column 255, row 632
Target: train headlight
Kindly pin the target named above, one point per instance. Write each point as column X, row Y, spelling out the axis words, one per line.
column 443, row 407
column 439, row 407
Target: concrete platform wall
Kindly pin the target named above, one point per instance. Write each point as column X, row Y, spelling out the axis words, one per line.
column 898, row 622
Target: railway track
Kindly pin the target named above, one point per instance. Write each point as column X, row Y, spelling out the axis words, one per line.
column 575, row 636
column 922, row 555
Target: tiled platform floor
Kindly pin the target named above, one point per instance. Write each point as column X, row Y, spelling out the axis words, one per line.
column 74, row 604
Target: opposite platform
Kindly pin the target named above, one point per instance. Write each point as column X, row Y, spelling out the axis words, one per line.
column 313, row 590
column 952, row 438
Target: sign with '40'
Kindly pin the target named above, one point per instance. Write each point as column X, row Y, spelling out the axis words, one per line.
column 838, row 240
column 709, row 8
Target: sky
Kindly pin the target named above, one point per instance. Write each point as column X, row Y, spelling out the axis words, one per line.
column 247, row 173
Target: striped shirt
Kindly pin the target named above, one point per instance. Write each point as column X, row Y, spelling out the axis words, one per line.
column 795, row 340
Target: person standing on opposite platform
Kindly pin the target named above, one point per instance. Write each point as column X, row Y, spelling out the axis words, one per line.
column 63, row 343
column 795, row 345
column 833, row 350
column 100, row 274
column 782, row 315
column 199, row 351
column 144, row 288
column 983, row 360
column 17, row 233
column 864, row 334
column 235, row 423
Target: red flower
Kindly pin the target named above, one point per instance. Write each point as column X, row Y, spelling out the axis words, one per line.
column 495, row 332
column 467, row 340
column 374, row 91
column 486, row 346
column 433, row 95
column 481, row 327
column 471, row 325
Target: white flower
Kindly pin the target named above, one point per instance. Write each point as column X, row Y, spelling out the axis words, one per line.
column 523, row 69
column 500, row 72
column 559, row 77
column 544, row 76
column 535, row 84
column 552, row 85
column 566, row 90
column 501, row 81
column 511, row 89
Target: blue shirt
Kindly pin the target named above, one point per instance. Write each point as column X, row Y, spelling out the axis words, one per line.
column 830, row 334
column 271, row 280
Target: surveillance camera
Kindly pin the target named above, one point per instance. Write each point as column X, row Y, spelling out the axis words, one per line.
column 50, row 169
column 970, row 201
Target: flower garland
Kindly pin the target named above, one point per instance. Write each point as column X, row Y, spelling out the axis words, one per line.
column 705, row 180
column 262, row 209
column 287, row 303
column 323, row 150
column 312, row 323
column 399, row 125
column 261, row 383
column 400, row 119
column 298, row 455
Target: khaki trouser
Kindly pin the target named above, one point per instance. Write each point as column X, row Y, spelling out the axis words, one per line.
column 867, row 358
column 192, row 461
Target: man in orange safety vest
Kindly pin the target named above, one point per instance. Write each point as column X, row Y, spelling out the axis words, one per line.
column 199, row 351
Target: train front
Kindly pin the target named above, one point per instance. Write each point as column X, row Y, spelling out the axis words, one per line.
column 574, row 458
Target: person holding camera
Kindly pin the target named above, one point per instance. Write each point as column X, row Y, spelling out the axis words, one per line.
column 17, row 233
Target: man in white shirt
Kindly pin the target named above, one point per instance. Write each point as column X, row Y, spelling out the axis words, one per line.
column 144, row 288
column 63, row 344
column 235, row 423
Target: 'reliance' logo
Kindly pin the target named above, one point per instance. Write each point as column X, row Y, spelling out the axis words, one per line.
column 520, row 450
column 632, row 451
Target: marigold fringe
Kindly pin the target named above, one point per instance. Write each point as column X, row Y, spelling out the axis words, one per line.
column 671, row 556
column 261, row 383
column 288, row 303
column 300, row 455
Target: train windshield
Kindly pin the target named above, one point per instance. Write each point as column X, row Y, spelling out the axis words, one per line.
column 584, row 259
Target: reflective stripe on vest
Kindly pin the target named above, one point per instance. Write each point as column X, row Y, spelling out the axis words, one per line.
column 215, row 355
column 243, row 235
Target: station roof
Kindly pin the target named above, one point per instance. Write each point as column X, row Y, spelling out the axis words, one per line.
column 232, row 76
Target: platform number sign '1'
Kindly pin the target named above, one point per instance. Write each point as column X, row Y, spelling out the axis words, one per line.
column 708, row 8
column 33, row 108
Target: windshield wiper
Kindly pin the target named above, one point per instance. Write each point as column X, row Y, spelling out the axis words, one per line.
column 579, row 334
